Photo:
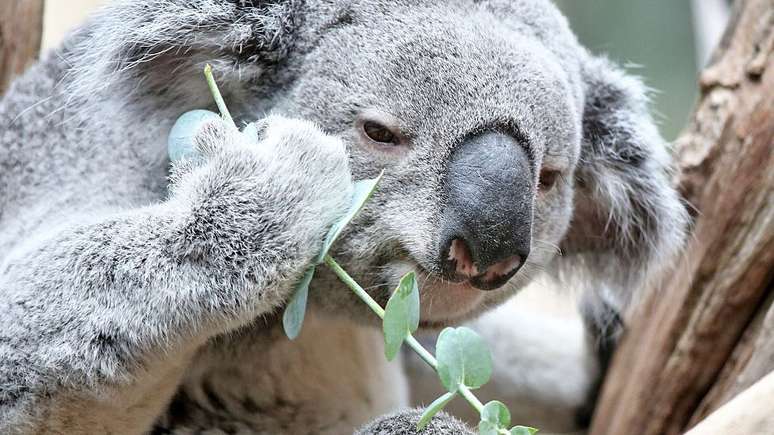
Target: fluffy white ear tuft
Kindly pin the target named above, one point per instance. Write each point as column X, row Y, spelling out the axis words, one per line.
column 134, row 48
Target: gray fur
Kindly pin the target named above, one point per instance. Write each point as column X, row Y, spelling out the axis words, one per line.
column 115, row 292
column 405, row 423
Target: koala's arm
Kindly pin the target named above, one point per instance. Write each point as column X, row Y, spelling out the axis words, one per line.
column 98, row 314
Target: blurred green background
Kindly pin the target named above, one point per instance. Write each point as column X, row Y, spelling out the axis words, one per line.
column 653, row 39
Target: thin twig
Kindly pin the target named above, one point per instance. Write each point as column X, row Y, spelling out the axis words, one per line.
column 410, row 340
column 217, row 95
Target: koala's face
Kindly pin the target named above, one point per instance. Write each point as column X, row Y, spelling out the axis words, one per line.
column 477, row 128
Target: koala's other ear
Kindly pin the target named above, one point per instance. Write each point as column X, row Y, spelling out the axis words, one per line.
column 628, row 220
column 156, row 46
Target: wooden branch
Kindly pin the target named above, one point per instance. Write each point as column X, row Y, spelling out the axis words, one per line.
column 751, row 360
column 21, row 27
column 748, row 413
column 676, row 347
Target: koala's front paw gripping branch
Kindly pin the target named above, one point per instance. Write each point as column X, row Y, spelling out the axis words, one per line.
column 462, row 361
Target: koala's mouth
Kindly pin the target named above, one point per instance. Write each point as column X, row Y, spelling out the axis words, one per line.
column 447, row 299
column 443, row 302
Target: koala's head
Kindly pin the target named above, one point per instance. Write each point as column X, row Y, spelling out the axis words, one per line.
column 502, row 140
column 477, row 125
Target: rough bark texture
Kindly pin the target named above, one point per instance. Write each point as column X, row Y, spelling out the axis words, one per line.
column 712, row 316
column 21, row 27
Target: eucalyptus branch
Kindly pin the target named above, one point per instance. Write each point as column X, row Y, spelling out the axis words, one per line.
column 463, row 361
column 410, row 340
column 217, row 96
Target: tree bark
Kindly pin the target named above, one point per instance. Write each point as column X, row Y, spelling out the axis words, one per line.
column 748, row 413
column 711, row 317
column 21, row 27
column 751, row 360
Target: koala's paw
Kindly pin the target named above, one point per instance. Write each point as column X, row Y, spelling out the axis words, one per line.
column 309, row 167
column 280, row 182
column 405, row 423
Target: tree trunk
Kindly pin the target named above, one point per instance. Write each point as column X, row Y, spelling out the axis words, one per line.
column 708, row 332
column 21, row 27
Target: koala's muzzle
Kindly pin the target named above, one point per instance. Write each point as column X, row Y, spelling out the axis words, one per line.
column 486, row 224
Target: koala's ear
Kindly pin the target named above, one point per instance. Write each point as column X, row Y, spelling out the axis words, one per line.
column 156, row 47
column 628, row 219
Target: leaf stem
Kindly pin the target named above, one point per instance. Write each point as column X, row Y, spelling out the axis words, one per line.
column 216, row 95
column 471, row 398
column 410, row 340
column 354, row 286
column 434, row 408
column 422, row 352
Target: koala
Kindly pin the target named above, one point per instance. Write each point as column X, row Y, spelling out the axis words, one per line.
column 140, row 296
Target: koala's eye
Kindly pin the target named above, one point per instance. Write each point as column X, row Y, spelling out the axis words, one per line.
column 379, row 133
column 548, row 178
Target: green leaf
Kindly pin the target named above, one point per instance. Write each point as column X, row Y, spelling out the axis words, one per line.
column 434, row 408
column 496, row 412
column 363, row 190
column 182, row 138
column 463, row 358
column 293, row 317
column 488, row 428
column 408, row 293
column 394, row 332
column 523, row 430
column 401, row 315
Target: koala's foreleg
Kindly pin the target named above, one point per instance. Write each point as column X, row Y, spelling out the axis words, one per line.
column 99, row 315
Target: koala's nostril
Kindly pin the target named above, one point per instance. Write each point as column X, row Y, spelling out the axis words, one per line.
column 502, row 268
column 498, row 274
column 462, row 259
column 462, row 265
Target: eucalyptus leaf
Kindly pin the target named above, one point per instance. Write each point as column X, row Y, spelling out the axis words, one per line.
column 293, row 317
column 251, row 132
column 401, row 315
column 181, row 139
column 411, row 290
column 496, row 412
column 488, row 428
column 434, row 408
column 523, row 430
column 363, row 190
column 463, row 358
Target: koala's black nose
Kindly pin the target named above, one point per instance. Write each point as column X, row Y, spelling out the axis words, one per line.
column 486, row 224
